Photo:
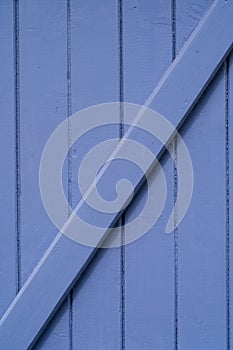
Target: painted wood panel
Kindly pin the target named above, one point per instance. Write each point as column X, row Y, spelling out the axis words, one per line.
column 94, row 80
column 200, row 239
column 43, row 105
column 202, row 304
column 202, row 307
column 162, row 291
column 148, row 262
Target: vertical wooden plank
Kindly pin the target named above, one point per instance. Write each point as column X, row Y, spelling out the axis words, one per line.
column 148, row 265
column 8, row 254
column 43, row 105
column 201, row 235
column 187, row 14
column 94, row 79
column 202, row 302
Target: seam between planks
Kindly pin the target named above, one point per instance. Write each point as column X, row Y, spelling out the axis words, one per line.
column 69, row 170
column 227, row 174
column 194, row 96
column 175, row 188
column 17, row 144
column 121, row 131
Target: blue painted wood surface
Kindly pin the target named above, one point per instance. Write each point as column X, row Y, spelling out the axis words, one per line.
column 202, row 307
column 94, row 79
column 148, row 293
column 162, row 291
column 43, row 105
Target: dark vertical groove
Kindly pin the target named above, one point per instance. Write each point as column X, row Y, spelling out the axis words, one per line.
column 69, row 111
column 227, row 157
column 173, row 14
column 121, row 71
column 17, row 143
column 123, row 283
column 176, row 247
column 121, row 131
column 70, row 308
column 69, row 105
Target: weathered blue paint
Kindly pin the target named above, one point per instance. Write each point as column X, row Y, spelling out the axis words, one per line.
column 163, row 304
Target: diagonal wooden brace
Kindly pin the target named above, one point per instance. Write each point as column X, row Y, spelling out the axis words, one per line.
column 64, row 261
